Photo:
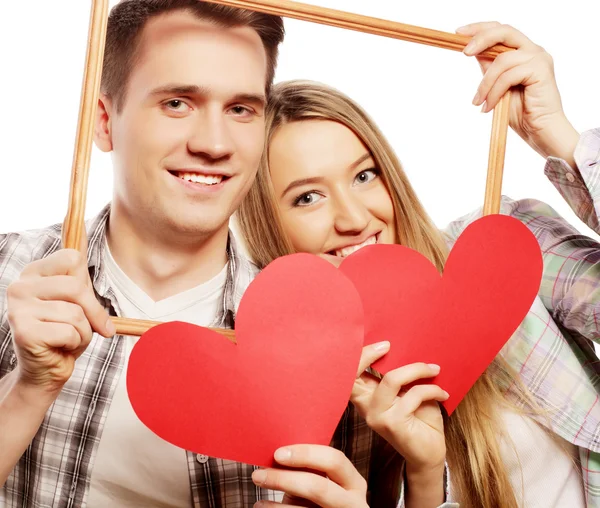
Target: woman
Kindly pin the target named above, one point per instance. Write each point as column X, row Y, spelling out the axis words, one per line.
column 329, row 184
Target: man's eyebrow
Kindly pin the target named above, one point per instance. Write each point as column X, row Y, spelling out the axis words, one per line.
column 257, row 99
column 179, row 89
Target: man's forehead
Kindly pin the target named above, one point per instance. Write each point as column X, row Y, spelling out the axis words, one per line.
column 181, row 48
column 185, row 26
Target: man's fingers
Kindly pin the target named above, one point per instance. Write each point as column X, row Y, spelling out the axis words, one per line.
column 58, row 335
column 65, row 312
column 370, row 354
column 62, row 262
column 309, row 486
column 385, row 395
column 71, row 289
column 322, row 459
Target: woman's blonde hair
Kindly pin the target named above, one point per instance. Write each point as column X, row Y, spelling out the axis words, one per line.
column 479, row 477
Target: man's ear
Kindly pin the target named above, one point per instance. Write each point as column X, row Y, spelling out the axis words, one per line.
column 103, row 126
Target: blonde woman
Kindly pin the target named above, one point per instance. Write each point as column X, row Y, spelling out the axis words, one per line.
column 329, row 183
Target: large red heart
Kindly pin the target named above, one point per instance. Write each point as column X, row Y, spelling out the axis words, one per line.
column 460, row 320
column 299, row 333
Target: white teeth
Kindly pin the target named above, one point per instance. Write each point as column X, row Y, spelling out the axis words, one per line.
column 203, row 179
column 346, row 251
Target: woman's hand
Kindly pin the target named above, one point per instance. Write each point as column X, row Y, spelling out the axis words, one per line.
column 324, row 477
column 410, row 418
column 536, row 112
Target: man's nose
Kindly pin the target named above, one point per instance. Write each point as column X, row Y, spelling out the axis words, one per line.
column 211, row 136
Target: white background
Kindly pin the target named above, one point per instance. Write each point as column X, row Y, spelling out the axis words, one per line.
column 420, row 96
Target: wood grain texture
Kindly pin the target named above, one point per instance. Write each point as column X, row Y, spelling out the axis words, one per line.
column 73, row 227
column 493, row 187
column 73, row 232
column 360, row 23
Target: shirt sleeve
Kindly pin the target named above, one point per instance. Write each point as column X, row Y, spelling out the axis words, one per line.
column 445, row 504
column 580, row 186
column 570, row 287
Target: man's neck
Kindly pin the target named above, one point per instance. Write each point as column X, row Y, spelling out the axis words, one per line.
column 164, row 265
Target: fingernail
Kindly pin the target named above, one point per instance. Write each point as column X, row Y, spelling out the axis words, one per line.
column 484, row 108
column 469, row 48
column 283, row 455
column 446, row 394
column 381, row 346
column 434, row 367
column 476, row 98
column 259, row 476
column 110, row 327
column 462, row 29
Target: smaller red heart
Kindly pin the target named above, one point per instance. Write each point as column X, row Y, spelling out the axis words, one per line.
column 299, row 333
column 460, row 320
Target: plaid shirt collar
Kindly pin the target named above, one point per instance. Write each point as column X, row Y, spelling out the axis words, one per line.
column 239, row 274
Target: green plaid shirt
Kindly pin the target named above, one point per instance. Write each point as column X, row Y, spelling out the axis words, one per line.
column 553, row 348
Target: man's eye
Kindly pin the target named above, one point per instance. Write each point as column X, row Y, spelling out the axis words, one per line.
column 241, row 111
column 177, row 105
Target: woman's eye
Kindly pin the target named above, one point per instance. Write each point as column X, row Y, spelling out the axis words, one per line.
column 366, row 176
column 309, row 198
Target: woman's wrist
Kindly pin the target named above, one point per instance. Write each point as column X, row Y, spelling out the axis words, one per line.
column 424, row 486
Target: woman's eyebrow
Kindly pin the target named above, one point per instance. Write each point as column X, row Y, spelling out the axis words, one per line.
column 359, row 161
column 300, row 182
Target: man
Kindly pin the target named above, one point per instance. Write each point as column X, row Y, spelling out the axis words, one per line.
column 183, row 94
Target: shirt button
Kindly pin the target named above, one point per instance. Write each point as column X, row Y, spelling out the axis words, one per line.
column 13, row 359
column 203, row 459
column 570, row 177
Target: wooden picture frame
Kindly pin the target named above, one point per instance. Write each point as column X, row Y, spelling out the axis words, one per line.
column 73, row 229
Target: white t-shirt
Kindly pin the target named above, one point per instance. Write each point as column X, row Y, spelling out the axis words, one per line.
column 543, row 473
column 133, row 466
column 551, row 476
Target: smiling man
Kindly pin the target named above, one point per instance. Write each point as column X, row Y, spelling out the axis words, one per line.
column 183, row 93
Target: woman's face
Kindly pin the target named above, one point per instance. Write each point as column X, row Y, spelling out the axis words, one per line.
column 331, row 196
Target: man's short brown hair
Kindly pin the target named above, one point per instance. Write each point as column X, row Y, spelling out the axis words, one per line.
column 129, row 17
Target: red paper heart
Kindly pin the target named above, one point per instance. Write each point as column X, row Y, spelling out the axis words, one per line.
column 459, row 321
column 299, row 334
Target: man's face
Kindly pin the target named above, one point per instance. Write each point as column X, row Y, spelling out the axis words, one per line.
column 187, row 143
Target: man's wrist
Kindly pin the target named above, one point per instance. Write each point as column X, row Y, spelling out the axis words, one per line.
column 31, row 394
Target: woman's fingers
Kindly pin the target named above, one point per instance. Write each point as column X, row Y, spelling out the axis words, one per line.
column 419, row 394
column 502, row 64
column 385, row 395
column 499, row 34
column 370, row 354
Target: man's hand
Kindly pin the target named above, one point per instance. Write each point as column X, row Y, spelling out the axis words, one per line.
column 331, row 481
column 52, row 311
column 536, row 108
